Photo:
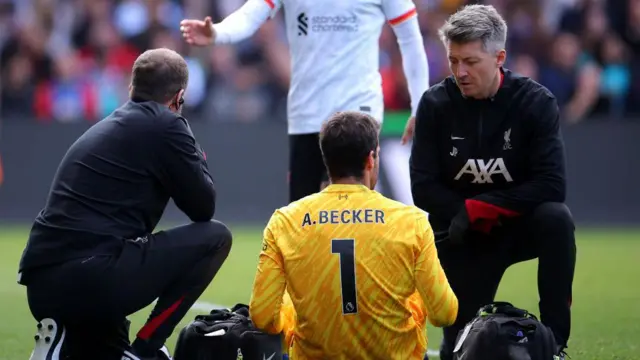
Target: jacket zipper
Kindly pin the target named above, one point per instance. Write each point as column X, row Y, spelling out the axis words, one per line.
column 480, row 130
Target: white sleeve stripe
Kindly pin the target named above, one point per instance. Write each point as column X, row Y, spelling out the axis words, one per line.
column 404, row 17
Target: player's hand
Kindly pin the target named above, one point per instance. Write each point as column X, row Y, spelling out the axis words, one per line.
column 408, row 130
column 198, row 32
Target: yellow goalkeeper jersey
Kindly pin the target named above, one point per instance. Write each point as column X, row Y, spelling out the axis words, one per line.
column 362, row 272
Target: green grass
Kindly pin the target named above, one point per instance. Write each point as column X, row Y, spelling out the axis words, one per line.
column 606, row 317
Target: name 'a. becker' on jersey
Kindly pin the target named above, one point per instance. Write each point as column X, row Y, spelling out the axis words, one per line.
column 353, row 260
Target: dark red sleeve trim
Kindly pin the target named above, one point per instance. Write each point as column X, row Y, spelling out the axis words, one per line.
column 484, row 216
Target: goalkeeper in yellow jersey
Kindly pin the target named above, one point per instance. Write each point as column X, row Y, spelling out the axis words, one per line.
column 348, row 273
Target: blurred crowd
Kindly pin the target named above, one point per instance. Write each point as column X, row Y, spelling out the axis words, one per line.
column 70, row 60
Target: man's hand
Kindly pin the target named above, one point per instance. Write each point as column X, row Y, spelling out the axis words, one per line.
column 459, row 227
column 408, row 130
column 198, row 32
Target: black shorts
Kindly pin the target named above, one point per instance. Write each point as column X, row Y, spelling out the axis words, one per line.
column 306, row 168
column 93, row 296
column 475, row 268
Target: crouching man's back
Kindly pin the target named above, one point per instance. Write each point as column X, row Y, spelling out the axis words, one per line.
column 361, row 270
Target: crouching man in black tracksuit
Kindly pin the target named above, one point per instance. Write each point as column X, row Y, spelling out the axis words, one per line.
column 487, row 164
column 92, row 257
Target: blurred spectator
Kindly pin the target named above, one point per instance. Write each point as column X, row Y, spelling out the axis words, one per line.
column 70, row 60
column 616, row 75
column 572, row 79
column 69, row 95
column 525, row 65
column 17, row 87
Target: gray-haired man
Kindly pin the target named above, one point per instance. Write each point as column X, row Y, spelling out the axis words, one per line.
column 487, row 164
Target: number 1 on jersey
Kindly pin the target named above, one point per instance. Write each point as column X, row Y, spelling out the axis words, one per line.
column 345, row 248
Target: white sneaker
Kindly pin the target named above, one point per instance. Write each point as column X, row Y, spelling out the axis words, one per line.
column 165, row 351
column 162, row 354
column 49, row 340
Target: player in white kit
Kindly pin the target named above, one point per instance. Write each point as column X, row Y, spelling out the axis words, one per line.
column 334, row 48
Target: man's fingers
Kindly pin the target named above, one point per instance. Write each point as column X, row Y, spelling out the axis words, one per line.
column 408, row 130
column 187, row 23
column 408, row 134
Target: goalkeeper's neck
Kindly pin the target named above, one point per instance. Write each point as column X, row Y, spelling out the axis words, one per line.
column 366, row 180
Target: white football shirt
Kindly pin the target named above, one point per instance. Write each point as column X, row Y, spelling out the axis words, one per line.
column 334, row 49
column 335, row 56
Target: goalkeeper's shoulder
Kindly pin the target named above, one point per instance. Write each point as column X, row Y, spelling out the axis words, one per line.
column 295, row 210
column 389, row 203
column 404, row 212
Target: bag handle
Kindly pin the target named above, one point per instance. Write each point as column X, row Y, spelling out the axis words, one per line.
column 215, row 315
column 504, row 308
column 225, row 314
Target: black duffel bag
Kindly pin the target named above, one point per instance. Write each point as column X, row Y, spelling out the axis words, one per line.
column 226, row 334
column 500, row 331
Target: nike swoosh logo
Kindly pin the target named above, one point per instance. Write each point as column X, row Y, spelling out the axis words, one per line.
column 218, row 332
column 268, row 358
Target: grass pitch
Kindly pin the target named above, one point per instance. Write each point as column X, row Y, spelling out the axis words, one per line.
column 606, row 316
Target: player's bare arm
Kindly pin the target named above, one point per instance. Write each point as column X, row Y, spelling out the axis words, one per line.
column 239, row 25
column 198, row 32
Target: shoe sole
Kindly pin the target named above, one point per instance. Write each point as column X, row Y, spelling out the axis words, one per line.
column 48, row 341
column 165, row 351
column 129, row 356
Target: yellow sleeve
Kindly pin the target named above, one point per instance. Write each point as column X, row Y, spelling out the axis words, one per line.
column 269, row 284
column 431, row 281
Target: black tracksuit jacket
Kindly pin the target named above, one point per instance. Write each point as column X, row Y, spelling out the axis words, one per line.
column 114, row 183
column 499, row 157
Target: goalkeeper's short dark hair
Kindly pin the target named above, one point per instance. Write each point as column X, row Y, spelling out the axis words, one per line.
column 346, row 140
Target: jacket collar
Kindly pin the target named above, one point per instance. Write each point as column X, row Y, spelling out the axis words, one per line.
column 503, row 91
